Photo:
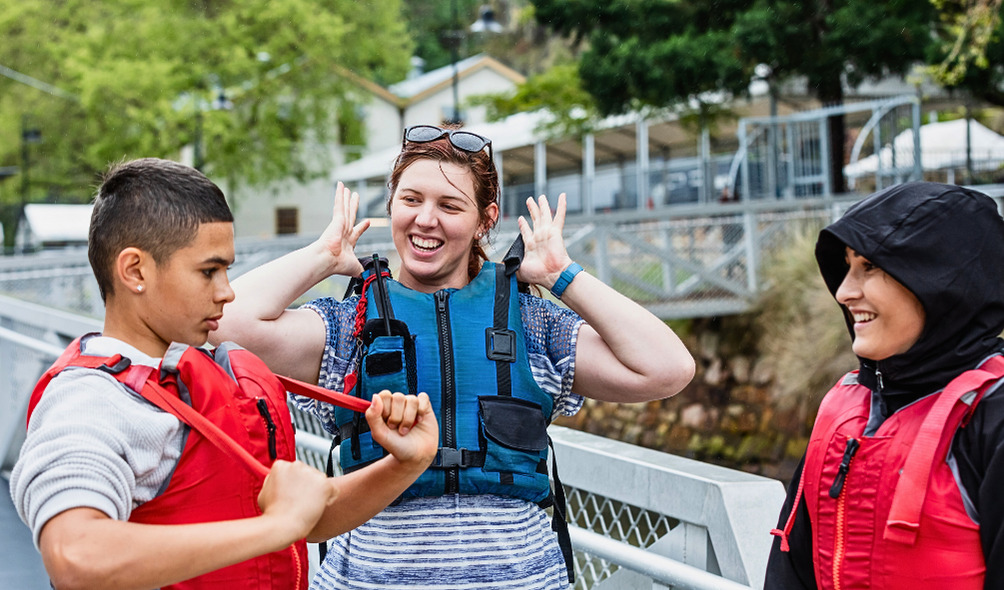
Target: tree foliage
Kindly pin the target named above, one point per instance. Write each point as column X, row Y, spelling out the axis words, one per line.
column 970, row 54
column 436, row 24
column 665, row 53
column 558, row 90
column 145, row 78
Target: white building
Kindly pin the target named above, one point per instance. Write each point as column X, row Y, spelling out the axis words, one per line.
column 293, row 208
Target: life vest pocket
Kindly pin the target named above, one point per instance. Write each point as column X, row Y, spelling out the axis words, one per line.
column 515, row 435
column 385, row 365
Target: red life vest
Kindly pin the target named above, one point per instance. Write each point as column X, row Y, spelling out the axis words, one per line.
column 886, row 510
column 236, row 392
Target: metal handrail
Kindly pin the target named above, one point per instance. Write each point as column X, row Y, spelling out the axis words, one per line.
column 711, row 490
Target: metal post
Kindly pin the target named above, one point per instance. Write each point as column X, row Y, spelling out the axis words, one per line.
column 26, row 137
column 197, row 162
column 588, row 173
column 708, row 181
column 918, row 155
column 744, row 170
column 824, row 156
column 969, row 142
column 641, row 163
column 540, row 169
column 455, row 57
column 772, row 165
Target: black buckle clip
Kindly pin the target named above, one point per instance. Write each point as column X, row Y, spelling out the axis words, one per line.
column 500, row 344
column 120, row 364
column 447, row 458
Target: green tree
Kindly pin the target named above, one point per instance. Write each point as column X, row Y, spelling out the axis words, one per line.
column 436, row 24
column 971, row 48
column 558, row 90
column 145, row 78
column 663, row 54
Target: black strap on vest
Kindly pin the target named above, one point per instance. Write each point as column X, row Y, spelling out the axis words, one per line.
column 329, row 469
column 559, row 524
column 514, row 256
column 559, row 521
column 500, row 341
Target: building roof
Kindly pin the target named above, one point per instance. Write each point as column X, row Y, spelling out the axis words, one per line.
column 515, row 131
column 416, row 88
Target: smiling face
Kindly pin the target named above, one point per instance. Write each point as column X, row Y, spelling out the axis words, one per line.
column 888, row 318
column 183, row 297
column 435, row 221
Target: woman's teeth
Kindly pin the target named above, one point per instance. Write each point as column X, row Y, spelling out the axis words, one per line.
column 425, row 244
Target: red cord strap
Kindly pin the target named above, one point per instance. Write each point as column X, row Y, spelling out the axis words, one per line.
column 350, row 402
column 161, row 398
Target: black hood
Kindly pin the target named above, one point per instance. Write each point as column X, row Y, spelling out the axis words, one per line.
column 945, row 244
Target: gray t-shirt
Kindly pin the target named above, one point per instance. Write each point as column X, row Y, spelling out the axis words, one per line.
column 92, row 443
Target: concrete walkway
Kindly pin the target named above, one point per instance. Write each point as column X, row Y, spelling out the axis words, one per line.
column 20, row 564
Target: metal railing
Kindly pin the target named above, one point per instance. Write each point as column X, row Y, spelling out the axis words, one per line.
column 683, row 262
column 687, row 261
column 639, row 518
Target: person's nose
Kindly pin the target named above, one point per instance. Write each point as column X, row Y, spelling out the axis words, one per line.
column 224, row 292
column 426, row 216
column 849, row 289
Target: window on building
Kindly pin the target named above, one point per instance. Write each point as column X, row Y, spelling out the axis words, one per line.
column 287, row 220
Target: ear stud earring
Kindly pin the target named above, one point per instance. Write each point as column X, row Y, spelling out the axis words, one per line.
column 139, row 288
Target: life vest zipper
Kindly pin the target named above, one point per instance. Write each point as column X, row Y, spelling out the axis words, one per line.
column 836, row 491
column 448, row 410
column 269, row 425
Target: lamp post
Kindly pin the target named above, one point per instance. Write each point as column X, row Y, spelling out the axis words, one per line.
column 28, row 136
column 455, row 36
column 486, row 23
column 220, row 103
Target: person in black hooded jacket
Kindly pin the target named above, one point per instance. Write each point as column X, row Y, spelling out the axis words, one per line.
column 918, row 271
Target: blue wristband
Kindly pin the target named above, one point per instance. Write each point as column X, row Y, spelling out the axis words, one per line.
column 566, row 277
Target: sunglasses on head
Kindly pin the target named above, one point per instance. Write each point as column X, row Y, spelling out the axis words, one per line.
column 462, row 140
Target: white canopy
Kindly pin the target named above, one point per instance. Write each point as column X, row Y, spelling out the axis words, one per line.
column 53, row 224
column 942, row 146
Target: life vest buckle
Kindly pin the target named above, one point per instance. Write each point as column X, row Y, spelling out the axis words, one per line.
column 118, row 364
column 500, row 344
column 447, row 458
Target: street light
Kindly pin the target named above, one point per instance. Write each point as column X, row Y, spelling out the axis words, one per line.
column 220, row 103
column 486, row 23
column 29, row 136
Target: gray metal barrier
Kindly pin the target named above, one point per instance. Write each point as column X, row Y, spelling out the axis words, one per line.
column 688, row 261
column 639, row 518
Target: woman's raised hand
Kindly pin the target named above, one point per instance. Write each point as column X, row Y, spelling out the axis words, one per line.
column 545, row 255
column 339, row 239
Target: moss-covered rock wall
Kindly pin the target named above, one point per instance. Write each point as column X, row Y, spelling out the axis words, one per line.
column 733, row 413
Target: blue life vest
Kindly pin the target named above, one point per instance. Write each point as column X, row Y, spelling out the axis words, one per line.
column 466, row 349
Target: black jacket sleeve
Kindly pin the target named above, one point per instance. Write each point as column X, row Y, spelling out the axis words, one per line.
column 792, row 570
column 978, row 449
